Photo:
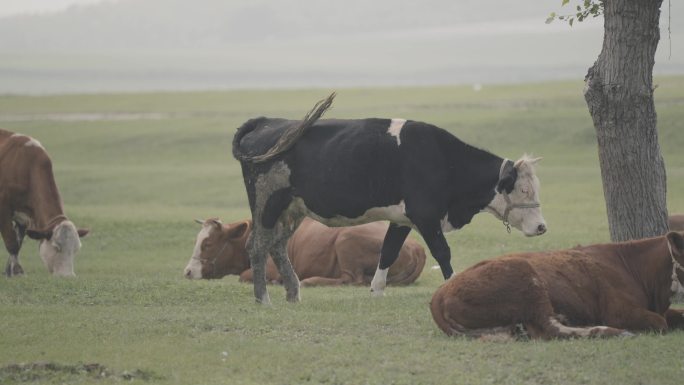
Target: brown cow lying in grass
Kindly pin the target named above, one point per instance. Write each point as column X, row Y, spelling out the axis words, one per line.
column 568, row 293
column 320, row 255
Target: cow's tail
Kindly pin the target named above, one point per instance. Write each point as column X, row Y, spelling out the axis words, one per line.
column 287, row 139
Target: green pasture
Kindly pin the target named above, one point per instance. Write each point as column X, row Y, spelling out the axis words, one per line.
column 138, row 168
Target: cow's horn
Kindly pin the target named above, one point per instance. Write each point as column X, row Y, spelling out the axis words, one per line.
column 200, row 221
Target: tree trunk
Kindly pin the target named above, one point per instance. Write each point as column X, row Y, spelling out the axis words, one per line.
column 619, row 93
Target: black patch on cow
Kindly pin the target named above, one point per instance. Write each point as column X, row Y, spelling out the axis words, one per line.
column 509, row 175
column 275, row 205
column 344, row 168
column 258, row 135
column 449, row 175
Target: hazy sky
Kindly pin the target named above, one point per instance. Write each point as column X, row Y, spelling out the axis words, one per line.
column 14, row 7
column 125, row 45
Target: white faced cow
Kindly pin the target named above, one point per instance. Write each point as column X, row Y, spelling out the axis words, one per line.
column 30, row 205
column 346, row 172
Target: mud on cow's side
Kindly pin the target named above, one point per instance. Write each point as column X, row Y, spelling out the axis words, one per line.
column 320, row 255
column 30, row 204
column 347, row 172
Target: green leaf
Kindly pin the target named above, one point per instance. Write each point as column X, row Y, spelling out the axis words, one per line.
column 564, row 2
column 570, row 21
column 549, row 20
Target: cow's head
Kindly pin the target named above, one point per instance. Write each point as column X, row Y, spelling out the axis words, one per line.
column 219, row 250
column 59, row 246
column 517, row 197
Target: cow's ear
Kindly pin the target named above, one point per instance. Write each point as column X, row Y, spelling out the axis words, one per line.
column 82, row 232
column 507, row 179
column 216, row 223
column 238, row 230
column 38, row 234
column 676, row 241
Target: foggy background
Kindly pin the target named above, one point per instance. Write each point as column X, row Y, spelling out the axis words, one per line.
column 64, row 46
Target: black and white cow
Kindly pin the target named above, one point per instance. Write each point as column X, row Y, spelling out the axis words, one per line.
column 346, row 172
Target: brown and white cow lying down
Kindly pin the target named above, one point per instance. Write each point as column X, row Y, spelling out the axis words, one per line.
column 320, row 255
column 597, row 290
column 30, row 205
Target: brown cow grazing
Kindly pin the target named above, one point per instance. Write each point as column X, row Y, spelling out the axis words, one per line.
column 30, row 205
column 320, row 255
column 569, row 293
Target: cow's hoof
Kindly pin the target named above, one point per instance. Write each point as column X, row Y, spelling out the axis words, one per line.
column 377, row 293
column 14, row 271
column 292, row 296
column 264, row 300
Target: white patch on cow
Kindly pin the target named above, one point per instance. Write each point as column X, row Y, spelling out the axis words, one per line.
column 678, row 294
column 525, row 191
column 395, row 129
column 194, row 268
column 567, row 330
column 379, row 282
column 579, row 332
column 393, row 213
column 33, row 143
column 59, row 251
column 30, row 142
column 21, row 218
column 446, row 225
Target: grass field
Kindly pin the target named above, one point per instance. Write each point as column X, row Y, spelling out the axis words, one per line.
column 138, row 168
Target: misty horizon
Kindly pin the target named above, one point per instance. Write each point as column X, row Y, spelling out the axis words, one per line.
column 148, row 45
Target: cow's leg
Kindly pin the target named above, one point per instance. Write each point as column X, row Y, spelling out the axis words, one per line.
column 628, row 317
column 20, row 230
column 12, row 241
column 246, row 276
column 394, row 239
column 323, row 281
column 431, row 231
column 675, row 318
column 257, row 247
column 282, row 262
column 553, row 328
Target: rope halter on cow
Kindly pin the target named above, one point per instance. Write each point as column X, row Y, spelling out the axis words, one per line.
column 509, row 204
column 676, row 283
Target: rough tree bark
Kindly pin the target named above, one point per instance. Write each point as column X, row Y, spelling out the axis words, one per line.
column 619, row 93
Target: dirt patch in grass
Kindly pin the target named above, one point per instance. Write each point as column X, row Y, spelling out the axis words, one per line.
column 51, row 371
